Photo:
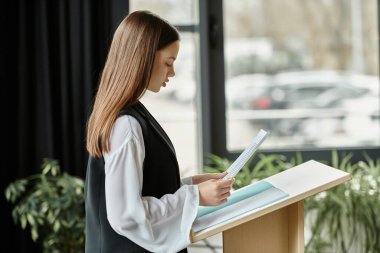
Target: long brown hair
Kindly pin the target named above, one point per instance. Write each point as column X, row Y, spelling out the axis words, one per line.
column 126, row 73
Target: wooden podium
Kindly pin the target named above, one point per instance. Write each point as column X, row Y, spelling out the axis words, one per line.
column 279, row 226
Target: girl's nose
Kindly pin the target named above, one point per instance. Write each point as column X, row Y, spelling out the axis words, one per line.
column 171, row 72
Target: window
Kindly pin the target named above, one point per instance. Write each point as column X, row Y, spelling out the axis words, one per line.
column 307, row 71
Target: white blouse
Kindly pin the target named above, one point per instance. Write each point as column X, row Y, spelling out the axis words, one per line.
column 158, row 225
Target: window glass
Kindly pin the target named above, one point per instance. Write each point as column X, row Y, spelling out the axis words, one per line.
column 174, row 106
column 184, row 12
column 307, row 71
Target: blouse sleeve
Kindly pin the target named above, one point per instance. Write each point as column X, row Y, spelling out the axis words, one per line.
column 158, row 225
column 187, row 180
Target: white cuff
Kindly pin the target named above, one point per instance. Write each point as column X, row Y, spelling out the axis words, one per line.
column 187, row 180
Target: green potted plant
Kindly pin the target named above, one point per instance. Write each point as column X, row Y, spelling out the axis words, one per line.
column 51, row 205
column 346, row 218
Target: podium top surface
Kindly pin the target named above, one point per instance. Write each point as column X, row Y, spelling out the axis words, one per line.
column 299, row 182
column 311, row 175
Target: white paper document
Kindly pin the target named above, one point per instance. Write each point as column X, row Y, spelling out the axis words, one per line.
column 238, row 164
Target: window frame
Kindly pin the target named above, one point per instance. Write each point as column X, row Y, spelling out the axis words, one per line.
column 210, row 99
column 211, row 95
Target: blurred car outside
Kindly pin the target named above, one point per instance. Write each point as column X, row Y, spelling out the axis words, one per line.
column 243, row 88
column 308, row 89
column 296, row 90
column 295, row 101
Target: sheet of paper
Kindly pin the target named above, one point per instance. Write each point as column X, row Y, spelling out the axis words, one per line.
column 238, row 164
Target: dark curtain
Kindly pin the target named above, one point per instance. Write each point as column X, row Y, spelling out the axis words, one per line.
column 52, row 53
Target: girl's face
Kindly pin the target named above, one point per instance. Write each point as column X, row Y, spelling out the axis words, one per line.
column 163, row 66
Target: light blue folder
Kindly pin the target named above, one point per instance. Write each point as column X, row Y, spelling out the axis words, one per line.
column 247, row 192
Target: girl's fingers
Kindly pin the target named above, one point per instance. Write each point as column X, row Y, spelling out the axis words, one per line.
column 222, row 201
column 218, row 175
column 225, row 195
column 222, row 175
column 225, row 182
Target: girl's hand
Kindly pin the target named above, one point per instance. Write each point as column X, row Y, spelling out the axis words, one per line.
column 197, row 179
column 214, row 192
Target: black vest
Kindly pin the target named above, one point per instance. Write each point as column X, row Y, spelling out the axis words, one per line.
column 160, row 176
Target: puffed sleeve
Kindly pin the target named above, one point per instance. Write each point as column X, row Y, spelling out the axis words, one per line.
column 158, row 225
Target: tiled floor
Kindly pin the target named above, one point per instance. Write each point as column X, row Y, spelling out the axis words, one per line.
column 213, row 244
